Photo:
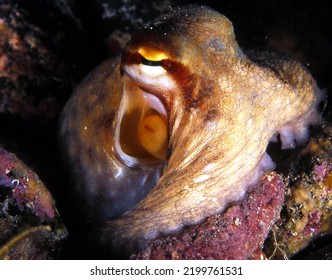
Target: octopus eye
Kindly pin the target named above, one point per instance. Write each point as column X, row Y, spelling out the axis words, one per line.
column 152, row 62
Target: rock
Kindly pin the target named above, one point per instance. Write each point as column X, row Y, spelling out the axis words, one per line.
column 307, row 213
column 41, row 57
column 30, row 226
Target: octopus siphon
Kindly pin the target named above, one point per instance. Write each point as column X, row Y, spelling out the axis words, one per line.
column 176, row 128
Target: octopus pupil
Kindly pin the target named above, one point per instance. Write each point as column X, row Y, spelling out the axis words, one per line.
column 151, row 62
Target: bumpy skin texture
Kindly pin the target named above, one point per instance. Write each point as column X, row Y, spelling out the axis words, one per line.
column 223, row 108
column 236, row 234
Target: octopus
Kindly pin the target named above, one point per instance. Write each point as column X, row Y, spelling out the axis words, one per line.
column 176, row 128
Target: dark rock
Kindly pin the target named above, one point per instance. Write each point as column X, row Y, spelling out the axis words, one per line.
column 30, row 226
column 42, row 49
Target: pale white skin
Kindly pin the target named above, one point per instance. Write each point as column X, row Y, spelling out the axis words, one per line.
column 221, row 115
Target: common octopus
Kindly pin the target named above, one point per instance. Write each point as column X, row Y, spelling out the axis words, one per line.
column 176, row 129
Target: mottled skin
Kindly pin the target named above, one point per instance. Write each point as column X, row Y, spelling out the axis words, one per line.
column 223, row 109
column 236, row 234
